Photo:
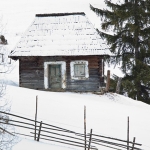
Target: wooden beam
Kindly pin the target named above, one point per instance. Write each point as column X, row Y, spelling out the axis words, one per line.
column 118, row 85
column 36, row 117
column 38, row 138
column 85, row 125
column 133, row 143
column 128, row 134
column 4, row 130
column 90, row 140
column 108, row 81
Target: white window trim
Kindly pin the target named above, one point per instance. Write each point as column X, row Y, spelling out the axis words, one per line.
column 63, row 73
column 72, row 63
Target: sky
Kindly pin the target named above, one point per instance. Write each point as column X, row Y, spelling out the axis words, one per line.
column 19, row 14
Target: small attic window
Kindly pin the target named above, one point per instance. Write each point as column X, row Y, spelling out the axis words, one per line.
column 79, row 70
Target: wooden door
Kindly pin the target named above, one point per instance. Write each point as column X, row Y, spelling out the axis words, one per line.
column 55, row 76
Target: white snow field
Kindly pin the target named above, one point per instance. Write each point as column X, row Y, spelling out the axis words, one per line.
column 106, row 115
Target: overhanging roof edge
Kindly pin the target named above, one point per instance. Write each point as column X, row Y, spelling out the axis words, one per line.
column 59, row 14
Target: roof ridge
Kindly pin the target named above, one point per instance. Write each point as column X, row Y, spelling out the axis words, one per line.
column 60, row 14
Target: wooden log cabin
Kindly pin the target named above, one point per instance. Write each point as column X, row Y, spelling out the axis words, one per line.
column 61, row 52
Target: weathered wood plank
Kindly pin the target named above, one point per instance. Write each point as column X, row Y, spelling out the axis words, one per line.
column 31, row 72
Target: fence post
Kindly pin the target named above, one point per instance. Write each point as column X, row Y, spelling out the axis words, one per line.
column 38, row 138
column 128, row 134
column 2, row 57
column 108, row 81
column 85, row 125
column 133, row 143
column 36, row 117
column 118, row 85
column 90, row 140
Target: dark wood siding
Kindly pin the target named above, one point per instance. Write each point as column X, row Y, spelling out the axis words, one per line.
column 31, row 71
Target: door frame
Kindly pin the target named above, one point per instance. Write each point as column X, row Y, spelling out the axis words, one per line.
column 63, row 73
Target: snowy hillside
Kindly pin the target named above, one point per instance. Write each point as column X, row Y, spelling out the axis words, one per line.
column 106, row 114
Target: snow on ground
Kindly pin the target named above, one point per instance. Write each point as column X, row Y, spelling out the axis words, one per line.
column 25, row 144
column 106, row 114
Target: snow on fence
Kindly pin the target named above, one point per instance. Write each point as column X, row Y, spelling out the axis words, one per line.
column 39, row 130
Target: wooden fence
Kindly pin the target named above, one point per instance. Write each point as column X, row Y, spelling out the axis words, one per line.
column 39, row 130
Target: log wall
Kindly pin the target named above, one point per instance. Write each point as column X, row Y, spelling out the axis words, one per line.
column 31, row 72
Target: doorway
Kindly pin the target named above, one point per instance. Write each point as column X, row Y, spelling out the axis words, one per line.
column 55, row 78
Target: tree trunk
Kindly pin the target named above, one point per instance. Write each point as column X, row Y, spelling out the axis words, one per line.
column 136, row 45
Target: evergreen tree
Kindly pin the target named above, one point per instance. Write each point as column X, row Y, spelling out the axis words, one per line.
column 130, row 42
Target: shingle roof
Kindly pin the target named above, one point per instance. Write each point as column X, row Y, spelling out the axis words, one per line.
column 60, row 34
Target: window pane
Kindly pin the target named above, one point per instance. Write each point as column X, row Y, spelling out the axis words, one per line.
column 79, row 70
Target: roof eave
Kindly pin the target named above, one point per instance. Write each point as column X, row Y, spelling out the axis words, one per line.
column 59, row 14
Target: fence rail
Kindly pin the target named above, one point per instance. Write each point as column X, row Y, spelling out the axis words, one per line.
column 43, row 131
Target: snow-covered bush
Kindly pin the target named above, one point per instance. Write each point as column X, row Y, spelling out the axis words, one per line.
column 7, row 139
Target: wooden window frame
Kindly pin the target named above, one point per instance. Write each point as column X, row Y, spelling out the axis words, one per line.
column 76, row 73
column 72, row 63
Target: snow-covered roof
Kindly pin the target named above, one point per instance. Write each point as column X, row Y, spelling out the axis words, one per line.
column 61, row 34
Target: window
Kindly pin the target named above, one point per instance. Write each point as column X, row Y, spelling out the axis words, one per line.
column 79, row 70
